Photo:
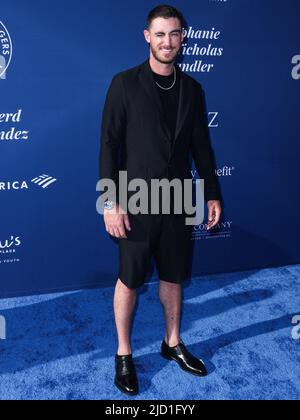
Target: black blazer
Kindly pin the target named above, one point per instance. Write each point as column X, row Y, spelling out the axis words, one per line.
column 136, row 138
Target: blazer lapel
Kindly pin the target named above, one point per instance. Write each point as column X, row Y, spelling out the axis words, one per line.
column 183, row 105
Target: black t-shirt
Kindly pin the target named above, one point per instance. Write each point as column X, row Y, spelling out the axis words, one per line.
column 169, row 99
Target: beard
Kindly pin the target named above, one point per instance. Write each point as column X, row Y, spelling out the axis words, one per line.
column 170, row 60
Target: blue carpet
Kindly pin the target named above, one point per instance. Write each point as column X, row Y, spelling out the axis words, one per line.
column 62, row 346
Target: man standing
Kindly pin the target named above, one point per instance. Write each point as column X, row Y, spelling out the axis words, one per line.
column 152, row 119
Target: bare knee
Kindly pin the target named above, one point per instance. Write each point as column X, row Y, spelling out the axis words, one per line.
column 168, row 289
column 125, row 289
column 168, row 285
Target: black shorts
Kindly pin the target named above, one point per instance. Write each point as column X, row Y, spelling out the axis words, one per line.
column 166, row 237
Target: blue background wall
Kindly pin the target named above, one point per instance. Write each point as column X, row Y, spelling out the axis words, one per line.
column 64, row 54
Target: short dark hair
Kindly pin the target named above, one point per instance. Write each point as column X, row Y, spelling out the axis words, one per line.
column 165, row 11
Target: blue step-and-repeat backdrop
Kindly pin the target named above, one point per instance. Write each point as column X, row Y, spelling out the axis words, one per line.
column 57, row 59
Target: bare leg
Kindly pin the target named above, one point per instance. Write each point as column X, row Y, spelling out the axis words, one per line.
column 170, row 295
column 124, row 304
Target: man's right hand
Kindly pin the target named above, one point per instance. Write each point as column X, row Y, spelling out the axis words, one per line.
column 116, row 221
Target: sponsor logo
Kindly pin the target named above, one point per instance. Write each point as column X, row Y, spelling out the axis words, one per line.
column 8, row 249
column 43, row 181
column 9, row 245
column 5, row 50
column 220, row 172
column 221, row 230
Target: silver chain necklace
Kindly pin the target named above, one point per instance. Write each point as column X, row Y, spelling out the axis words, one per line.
column 169, row 88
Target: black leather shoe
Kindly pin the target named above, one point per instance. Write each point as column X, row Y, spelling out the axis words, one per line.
column 126, row 379
column 184, row 358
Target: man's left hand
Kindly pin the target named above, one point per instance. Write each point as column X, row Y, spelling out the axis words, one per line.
column 214, row 213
